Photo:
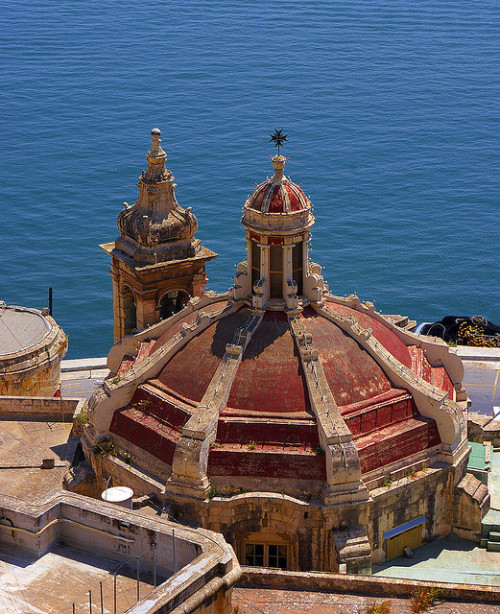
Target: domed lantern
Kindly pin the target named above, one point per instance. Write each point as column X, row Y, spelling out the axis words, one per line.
column 277, row 219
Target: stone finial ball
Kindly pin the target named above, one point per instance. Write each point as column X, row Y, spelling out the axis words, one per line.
column 155, row 132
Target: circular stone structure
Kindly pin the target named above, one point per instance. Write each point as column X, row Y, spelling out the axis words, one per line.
column 32, row 346
column 306, row 427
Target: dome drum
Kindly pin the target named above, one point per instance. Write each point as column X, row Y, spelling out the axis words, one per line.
column 282, row 223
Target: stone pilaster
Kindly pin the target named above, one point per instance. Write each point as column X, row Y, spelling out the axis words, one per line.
column 343, row 469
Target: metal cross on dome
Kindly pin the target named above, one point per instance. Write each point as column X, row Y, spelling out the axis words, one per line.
column 278, row 138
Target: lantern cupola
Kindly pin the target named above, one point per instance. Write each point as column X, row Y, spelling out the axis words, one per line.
column 277, row 219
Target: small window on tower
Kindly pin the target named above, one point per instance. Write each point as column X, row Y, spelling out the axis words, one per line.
column 172, row 302
column 129, row 311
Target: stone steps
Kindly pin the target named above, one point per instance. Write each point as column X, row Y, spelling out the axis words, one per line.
column 490, row 537
column 257, row 461
column 395, row 442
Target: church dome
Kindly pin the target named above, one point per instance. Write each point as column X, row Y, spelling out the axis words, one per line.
column 278, row 194
column 277, row 413
column 277, row 401
column 278, row 385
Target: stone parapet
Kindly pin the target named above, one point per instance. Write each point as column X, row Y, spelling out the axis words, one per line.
column 40, row 408
column 364, row 585
column 201, row 566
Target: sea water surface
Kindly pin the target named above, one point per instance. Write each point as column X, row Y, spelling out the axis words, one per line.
column 391, row 107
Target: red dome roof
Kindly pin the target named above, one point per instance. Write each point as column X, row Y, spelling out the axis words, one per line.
column 267, row 418
column 269, row 380
column 283, row 197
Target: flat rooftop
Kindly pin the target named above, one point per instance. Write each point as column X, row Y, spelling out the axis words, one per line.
column 451, row 559
column 24, row 445
column 64, row 576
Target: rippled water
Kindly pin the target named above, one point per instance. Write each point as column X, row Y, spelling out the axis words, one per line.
column 392, row 111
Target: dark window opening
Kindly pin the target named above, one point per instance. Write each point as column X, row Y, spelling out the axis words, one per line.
column 129, row 311
column 255, row 255
column 172, row 302
column 266, row 555
column 254, row 555
column 276, row 271
column 277, row 556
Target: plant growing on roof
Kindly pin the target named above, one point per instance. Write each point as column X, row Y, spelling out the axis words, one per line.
column 423, row 599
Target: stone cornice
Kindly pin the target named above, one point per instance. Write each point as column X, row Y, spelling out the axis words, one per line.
column 282, row 223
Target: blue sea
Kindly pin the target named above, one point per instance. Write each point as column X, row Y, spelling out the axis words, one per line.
column 391, row 107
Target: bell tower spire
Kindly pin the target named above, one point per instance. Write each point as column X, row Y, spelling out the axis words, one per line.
column 157, row 264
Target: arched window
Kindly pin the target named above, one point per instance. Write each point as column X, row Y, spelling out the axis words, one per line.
column 172, row 302
column 129, row 311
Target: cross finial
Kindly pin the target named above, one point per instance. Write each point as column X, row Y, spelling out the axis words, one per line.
column 278, row 138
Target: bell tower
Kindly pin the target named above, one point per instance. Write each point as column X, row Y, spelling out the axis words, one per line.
column 157, row 265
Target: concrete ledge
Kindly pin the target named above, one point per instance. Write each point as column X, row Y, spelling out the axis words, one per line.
column 478, row 354
column 84, row 364
column 364, row 585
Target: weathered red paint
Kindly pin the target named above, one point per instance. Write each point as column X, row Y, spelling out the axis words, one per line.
column 270, row 378
column 265, row 463
column 381, row 332
column 268, row 428
column 145, row 431
column 281, row 197
column 267, row 432
column 189, row 372
column 395, row 442
column 352, row 374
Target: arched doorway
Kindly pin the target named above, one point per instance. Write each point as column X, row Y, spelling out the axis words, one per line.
column 172, row 302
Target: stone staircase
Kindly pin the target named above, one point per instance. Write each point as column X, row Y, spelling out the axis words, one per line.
column 490, row 536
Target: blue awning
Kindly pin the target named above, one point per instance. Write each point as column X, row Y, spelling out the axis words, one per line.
column 404, row 527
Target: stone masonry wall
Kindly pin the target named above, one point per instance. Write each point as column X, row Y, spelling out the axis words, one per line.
column 39, row 408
